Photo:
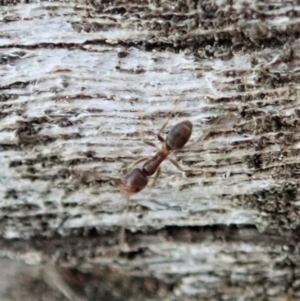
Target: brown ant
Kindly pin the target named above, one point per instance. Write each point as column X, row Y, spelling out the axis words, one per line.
column 137, row 179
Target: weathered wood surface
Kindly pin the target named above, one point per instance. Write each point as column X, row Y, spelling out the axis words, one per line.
column 73, row 78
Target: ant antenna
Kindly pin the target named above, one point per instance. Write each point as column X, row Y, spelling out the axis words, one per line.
column 160, row 138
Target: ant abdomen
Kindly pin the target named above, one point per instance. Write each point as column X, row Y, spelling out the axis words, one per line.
column 179, row 135
column 134, row 181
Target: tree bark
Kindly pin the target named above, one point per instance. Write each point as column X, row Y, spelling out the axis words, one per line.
column 77, row 76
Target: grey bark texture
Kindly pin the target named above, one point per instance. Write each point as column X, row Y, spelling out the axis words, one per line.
column 75, row 79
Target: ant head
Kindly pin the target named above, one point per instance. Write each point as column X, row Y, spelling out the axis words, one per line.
column 179, row 135
column 134, row 182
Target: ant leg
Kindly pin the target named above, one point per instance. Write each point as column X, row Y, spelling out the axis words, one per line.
column 91, row 176
column 135, row 163
column 157, row 174
column 143, row 134
column 176, row 164
column 159, row 136
column 181, row 169
column 151, row 144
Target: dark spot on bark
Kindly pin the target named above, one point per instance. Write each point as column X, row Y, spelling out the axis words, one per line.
column 11, row 193
column 27, row 132
column 122, row 54
column 254, row 161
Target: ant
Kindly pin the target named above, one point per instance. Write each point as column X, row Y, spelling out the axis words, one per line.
column 137, row 179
